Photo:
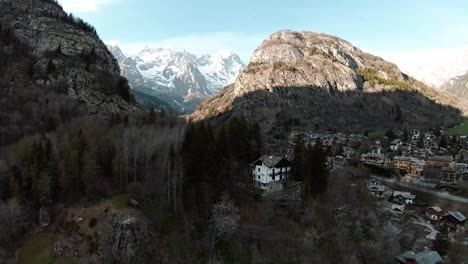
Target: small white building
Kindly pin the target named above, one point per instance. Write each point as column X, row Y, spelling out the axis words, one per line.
column 395, row 144
column 271, row 173
column 415, row 134
column 403, row 197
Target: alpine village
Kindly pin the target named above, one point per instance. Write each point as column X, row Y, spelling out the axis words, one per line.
column 314, row 152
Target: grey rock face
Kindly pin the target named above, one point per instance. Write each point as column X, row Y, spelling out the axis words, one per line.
column 458, row 86
column 64, row 53
column 302, row 80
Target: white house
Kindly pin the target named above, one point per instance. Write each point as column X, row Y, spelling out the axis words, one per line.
column 395, row 144
column 270, row 173
column 403, row 197
column 415, row 134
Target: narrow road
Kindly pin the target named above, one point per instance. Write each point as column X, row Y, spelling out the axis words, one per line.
column 442, row 195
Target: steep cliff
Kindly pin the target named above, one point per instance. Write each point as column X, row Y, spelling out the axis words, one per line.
column 305, row 80
column 53, row 66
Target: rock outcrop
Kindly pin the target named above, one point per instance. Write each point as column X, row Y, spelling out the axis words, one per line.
column 45, row 51
column 305, row 80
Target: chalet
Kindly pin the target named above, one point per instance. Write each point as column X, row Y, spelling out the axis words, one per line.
column 406, row 148
column 455, row 221
column 411, row 178
column 271, row 172
column 395, row 144
column 433, row 214
column 403, row 197
column 374, row 159
column 376, row 149
column 463, row 155
column 376, row 190
column 373, row 182
column 448, row 175
column 461, row 167
column 424, row 257
column 415, row 134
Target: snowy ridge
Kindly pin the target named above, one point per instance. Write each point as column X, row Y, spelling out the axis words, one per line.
column 181, row 75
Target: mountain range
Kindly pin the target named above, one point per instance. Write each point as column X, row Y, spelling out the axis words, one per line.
column 307, row 81
column 181, row 79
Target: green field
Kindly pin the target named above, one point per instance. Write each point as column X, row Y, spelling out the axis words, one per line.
column 459, row 130
column 38, row 249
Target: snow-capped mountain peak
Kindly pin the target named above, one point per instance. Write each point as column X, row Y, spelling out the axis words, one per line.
column 180, row 75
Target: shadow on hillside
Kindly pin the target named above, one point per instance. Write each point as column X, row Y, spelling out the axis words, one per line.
column 311, row 108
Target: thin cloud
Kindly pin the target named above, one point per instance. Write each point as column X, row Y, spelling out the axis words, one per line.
column 203, row 43
column 83, row 6
column 434, row 66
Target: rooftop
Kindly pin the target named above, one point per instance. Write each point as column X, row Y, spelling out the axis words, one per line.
column 457, row 215
column 270, row 161
column 424, row 257
column 406, row 195
column 441, row 158
column 436, row 208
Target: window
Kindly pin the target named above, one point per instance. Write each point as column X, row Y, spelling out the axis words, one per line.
column 259, row 177
column 258, row 169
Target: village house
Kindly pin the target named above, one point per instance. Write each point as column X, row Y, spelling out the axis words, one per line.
column 395, row 144
column 463, row 176
column 374, row 159
column 455, row 221
column 449, row 175
column 434, row 165
column 415, row 134
column 424, row 257
column 406, row 148
column 403, row 197
column 433, row 214
column 461, row 167
column 271, row 173
column 463, row 155
column 411, row 178
column 409, row 165
column 376, row 190
column 402, row 163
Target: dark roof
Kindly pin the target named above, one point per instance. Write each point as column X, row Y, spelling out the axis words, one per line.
column 441, row 158
column 457, row 215
column 270, row 161
column 424, row 257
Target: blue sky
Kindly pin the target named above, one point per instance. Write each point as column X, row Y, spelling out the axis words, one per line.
column 205, row 26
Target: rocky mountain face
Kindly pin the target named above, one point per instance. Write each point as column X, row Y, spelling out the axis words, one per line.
column 181, row 79
column 53, row 66
column 306, row 80
column 458, row 86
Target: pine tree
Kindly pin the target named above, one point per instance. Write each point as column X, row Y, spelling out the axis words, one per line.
column 298, row 159
column 441, row 243
column 318, row 171
column 398, row 114
column 443, row 142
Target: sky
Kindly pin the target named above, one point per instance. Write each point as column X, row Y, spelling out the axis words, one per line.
column 393, row 29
